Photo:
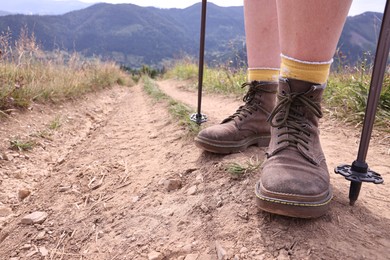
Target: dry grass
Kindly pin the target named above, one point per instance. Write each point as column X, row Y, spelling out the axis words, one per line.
column 345, row 97
column 28, row 74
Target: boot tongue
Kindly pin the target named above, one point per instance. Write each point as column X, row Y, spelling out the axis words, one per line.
column 301, row 101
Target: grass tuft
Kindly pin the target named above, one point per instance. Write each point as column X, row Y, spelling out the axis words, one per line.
column 178, row 110
column 238, row 170
column 55, row 123
column 29, row 75
column 22, row 145
column 345, row 97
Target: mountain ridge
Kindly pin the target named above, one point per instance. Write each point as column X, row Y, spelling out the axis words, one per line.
column 134, row 35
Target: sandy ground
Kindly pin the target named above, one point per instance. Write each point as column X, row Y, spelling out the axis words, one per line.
column 120, row 179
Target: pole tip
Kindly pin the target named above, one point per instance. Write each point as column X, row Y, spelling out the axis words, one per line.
column 352, row 202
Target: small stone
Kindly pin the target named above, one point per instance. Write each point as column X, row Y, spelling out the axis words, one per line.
column 23, row 193
column 204, row 208
column 155, row 256
column 244, row 250
column 64, row 187
column 31, row 254
column 5, row 211
column 192, row 190
column 43, row 251
column 60, row 160
column 135, row 199
column 172, row 184
column 7, row 157
column 37, row 217
column 26, row 247
column 236, row 257
column 187, row 248
column 199, row 178
column 192, row 257
column 41, row 235
column 221, row 252
column 243, row 214
column 153, row 136
column 219, row 203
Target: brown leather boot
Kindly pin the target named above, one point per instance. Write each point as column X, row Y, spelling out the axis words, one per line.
column 295, row 179
column 247, row 126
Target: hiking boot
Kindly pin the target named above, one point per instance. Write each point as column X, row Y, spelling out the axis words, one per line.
column 295, row 179
column 247, row 126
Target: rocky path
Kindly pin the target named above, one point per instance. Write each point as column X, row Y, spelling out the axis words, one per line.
column 119, row 179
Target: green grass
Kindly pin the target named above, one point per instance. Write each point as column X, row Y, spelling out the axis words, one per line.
column 238, row 170
column 55, row 123
column 22, row 145
column 216, row 80
column 345, row 97
column 178, row 110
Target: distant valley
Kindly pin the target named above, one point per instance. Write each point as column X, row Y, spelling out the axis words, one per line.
column 133, row 35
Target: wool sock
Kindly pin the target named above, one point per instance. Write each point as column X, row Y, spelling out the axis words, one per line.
column 263, row 74
column 315, row 72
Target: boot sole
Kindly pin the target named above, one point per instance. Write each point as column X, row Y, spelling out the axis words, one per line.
column 221, row 147
column 292, row 208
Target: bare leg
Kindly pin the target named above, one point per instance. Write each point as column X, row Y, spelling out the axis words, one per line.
column 262, row 40
column 310, row 29
column 262, row 35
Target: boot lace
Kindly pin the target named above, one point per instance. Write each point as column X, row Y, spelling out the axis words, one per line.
column 291, row 118
column 251, row 105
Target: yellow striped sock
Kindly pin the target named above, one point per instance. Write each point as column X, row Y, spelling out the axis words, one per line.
column 315, row 72
column 263, row 74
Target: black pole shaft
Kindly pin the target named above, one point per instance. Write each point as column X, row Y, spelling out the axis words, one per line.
column 381, row 57
column 201, row 59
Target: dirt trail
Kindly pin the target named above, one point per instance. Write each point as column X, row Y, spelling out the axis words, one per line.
column 120, row 180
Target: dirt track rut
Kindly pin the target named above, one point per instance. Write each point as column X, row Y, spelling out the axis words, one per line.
column 105, row 181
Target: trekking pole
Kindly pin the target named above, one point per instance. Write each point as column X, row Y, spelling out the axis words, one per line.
column 359, row 171
column 200, row 118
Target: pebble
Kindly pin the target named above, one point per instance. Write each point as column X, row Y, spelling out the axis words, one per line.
column 43, row 251
column 172, row 184
column 153, row 136
column 192, row 190
column 23, row 193
column 41, row 235
column 5, row 211
column 37, row 217
column 244, row 250
column 31, row 254
column 64, row 187
column 155, row 256
column 243, row 214
column 199, row 178
column 187, row 248
column 221, row 252
column 204, row 208
column 192, row 257
column 26, row 247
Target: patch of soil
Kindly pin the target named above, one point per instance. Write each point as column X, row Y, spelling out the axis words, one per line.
column 119, row 179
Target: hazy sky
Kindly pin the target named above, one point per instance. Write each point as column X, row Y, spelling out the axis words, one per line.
column 358, row 6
